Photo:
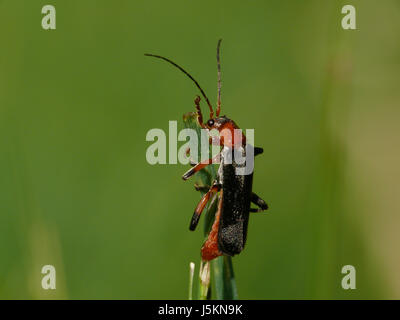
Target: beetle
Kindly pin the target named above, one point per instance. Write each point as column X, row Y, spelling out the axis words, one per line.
column 229, row 230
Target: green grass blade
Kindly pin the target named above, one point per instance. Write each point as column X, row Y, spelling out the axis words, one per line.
column 224, row 279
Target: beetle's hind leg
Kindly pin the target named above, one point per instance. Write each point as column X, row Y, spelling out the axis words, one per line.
column 262, row 205
column 202, row 204
column 210, row 249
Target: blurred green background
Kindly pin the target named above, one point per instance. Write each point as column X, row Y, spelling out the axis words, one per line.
column 76, row 104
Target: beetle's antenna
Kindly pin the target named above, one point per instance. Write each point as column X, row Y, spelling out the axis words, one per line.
column 185, row 72
column 219, row 77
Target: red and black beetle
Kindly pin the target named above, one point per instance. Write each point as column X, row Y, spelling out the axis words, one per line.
column 229, row 230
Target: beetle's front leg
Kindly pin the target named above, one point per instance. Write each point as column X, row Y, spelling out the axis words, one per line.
column 200, row 166
column 192, row 162
column 199, row 114
column 202, row 204
column 262, row 205
column 214, row 140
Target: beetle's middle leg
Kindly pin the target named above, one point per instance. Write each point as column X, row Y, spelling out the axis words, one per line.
column 262, row 205
column 202, row 204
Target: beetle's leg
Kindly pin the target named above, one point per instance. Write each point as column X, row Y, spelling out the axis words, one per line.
column 202, row 204
column 200, row 166
column 201, row 188
column 210, row 249
column 199, row 114
column 192, row 162
column 259, row 202
column 258, row 150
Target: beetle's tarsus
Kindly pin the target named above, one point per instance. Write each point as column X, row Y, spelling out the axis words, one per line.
column 258, row 150
column 194, row 221
column 188, row 173
column 201, row 188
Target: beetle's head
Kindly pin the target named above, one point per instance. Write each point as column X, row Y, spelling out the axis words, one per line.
column 228, row 134
column 217, row 123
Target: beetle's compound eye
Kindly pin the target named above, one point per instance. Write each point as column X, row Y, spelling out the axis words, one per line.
column 210, row 122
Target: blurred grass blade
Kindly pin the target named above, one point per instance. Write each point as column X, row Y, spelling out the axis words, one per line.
column 204, row 280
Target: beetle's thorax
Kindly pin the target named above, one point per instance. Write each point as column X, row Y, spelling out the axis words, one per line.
column 229, row 132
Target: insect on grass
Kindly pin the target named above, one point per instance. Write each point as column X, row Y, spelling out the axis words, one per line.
column 230, row 186
column 229, row 231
